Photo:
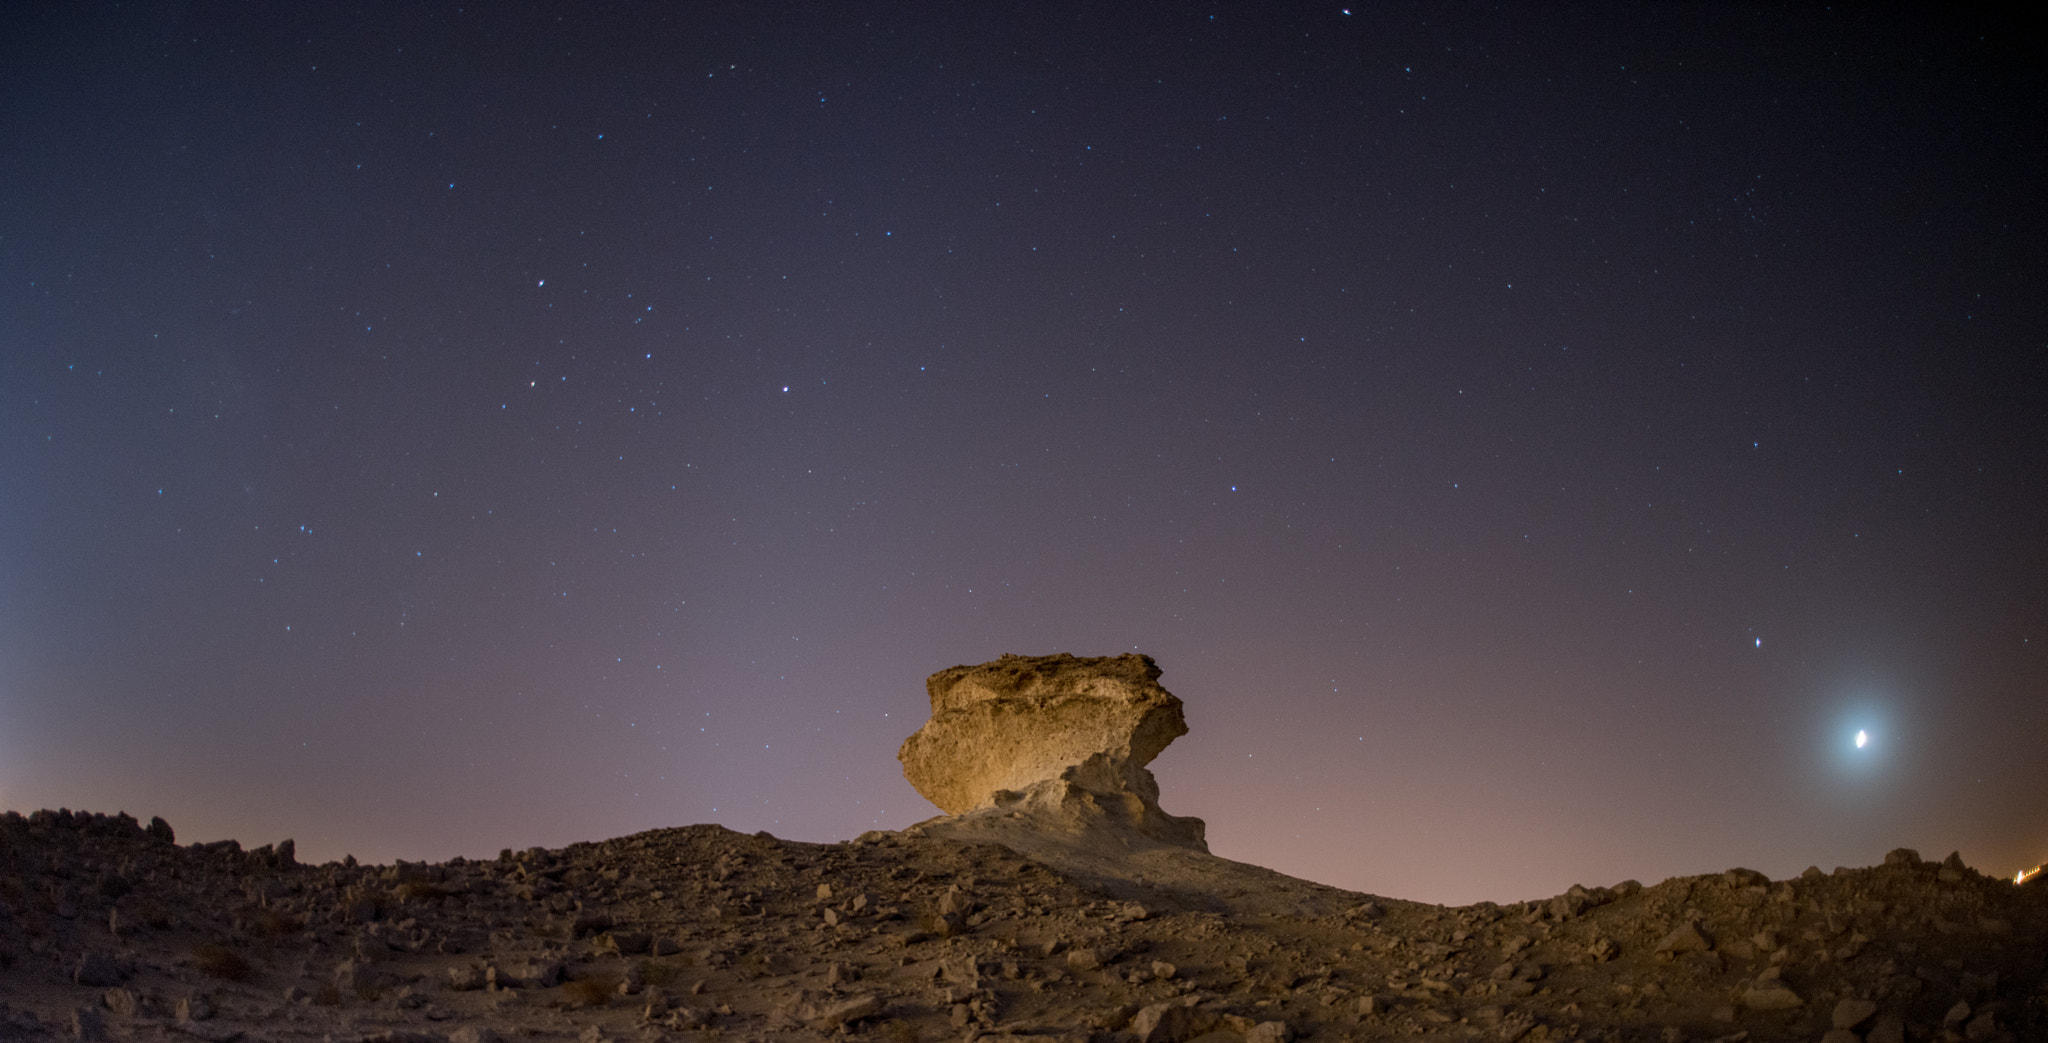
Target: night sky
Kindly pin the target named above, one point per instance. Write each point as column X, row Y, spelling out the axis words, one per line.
column 1533, row 440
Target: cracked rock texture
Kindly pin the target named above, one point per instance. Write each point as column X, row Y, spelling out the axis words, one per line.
column 1058, row 740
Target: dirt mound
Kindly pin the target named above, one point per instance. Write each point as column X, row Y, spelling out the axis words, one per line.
column 111, row 930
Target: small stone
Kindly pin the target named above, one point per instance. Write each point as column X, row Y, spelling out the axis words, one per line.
column 629, row 943
column 1851, row 1012
column 1902, row 856
column 1685, row 938
column 122, row 1002
column 955, row 902
column 666, row 947
column 831, row 1014
column 193, row 1008
column 1771, row 995
column 466, row 979
column 824, row 892
column 961, row 970
column 537, row 974
column 1084, row 960
column 1269, row 1032
column 1164, row 970
column 688, row 1018
column 1888, row 1028
column 1956, row 1015
column 1171, row 1022
column 475, row 1034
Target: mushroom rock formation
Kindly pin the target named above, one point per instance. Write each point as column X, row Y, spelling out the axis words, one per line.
column 1060, row 742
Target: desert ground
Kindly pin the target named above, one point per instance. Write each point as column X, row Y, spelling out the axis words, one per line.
column 1069, row 909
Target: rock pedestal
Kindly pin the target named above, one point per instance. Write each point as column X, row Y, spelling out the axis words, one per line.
column 1062, row 738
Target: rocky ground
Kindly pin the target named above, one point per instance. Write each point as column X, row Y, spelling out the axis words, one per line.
column 110, row 930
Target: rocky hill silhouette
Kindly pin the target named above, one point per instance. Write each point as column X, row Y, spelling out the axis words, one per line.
column 1055, row 901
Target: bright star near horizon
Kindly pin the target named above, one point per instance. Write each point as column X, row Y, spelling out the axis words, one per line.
column 1862, row 739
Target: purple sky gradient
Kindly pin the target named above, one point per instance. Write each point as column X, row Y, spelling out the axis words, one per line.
column 1532, row 441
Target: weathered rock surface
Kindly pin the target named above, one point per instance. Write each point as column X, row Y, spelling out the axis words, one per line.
column 1059, row 740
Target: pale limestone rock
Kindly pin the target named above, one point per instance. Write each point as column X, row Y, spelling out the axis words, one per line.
column 1060, row 739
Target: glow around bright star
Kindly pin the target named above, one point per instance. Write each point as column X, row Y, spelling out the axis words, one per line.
column 1862, row 739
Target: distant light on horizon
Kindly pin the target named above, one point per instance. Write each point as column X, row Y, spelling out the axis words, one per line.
column 1862, row 739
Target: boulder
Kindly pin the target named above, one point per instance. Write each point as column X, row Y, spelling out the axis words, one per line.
column 1057, row 734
